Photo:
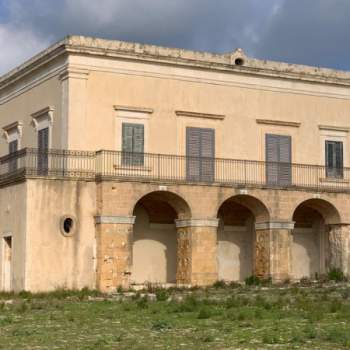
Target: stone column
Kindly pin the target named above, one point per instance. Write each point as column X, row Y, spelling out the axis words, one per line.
column 114, row 251
column 197, row 252
column 339, row 241
column 272, row 253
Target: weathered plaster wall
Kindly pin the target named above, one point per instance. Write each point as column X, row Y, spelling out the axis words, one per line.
column 54, row 260
column 13, row 222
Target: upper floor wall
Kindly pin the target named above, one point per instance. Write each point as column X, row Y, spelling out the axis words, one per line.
column 85, row 99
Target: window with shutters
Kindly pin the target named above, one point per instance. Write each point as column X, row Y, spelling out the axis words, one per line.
column 43, row 151
column 278, row 159
column 200, row 154
column 132, row 144
column 13, row 148
column 334, row 159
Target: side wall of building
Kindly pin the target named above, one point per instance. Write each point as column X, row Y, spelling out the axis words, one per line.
column 55, row 259
column 13, row 231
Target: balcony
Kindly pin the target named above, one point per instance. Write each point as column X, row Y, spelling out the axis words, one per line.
column 113, row 165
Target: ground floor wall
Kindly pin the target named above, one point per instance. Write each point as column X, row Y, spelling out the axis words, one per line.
column 125, row 233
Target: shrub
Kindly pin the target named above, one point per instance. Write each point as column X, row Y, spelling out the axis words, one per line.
column 336, row 275
column 161, row 325
column 253, row 281
column 305, row 281
column 162, row 294
column 204, row 313
column 220, row 284
column 142, row 303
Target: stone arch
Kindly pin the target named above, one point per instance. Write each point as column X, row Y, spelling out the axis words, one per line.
column 236, row 235
column 310, row 237
column 253, row 204
column 155, row 237
column 180, row 205
column 325, row 208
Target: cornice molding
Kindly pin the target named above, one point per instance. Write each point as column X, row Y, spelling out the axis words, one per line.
column 275, row 225
column 278, row 123
column 133, row 109
column 197, row 223
column 199, row 115
column 16, row 127
column 45, row 112
column 101, row 219
column 74, row 73
column 334, row 128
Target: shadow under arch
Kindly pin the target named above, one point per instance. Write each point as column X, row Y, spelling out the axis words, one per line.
column 327, row 210
column 236, row 235
column 155, row 237
column 310, row 237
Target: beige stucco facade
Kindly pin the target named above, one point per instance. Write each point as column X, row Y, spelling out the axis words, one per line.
column 133, row 227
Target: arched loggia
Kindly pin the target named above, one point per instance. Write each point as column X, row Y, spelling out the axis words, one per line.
column 155, row 238
column 236, row 236
column 310, row 239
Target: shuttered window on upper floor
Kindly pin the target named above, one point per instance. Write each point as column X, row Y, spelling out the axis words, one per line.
column 334, row 159
column 278, row 159
column 132, row 144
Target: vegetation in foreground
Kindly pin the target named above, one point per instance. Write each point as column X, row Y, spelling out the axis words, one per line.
column 304, row 316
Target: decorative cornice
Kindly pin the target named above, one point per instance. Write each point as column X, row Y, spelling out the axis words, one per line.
column 115, row 219
column 275, row 225
column 334, row 128
column 197, row 223
column 74, row 73
column 150, row 53
column 16, row 127
column 133, row 109
column 278, row 123
column 199, row 115
column 47, row 111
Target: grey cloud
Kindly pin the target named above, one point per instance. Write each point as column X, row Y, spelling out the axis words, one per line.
column 309, row 31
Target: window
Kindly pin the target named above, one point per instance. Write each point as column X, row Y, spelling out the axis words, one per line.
column 13, row 148
column 278, row 159
column 43, row 154
column 200, row 152
column 132, row 144
column 334, row 159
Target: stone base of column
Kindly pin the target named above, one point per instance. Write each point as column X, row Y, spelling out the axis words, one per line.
column 272, row 258
column 114, row 252
column 197, row 252
column 339, row 249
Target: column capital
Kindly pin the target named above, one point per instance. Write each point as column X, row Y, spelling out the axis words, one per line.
column 275, row 225
column 109, row 219
column 197, row 223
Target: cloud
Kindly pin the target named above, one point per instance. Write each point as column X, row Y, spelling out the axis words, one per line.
column 312, row 31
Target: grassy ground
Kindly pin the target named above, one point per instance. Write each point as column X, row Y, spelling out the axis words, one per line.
column 234, row 317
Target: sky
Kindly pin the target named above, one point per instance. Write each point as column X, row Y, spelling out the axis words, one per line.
column 311, row 32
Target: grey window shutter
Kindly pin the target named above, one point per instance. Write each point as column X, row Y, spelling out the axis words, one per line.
column 193, row 152
column 200, row 151
column 13, row 148
column 271, row 150
column 207, row 154
column 132, row 144
column 285, row 158
column 43, row 146
column 278, row 159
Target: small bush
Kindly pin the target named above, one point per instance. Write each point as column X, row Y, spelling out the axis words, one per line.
column 305, row 281
column 162, row 294
column 253, row 281
column 142, row 303
column 204, row 313
column 161, row 325
column 335, row 306
column 336, row 275
column 220, row 284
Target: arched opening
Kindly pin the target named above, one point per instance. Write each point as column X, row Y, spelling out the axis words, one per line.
column 236, row 236
column 310, row 240
column 155, row 238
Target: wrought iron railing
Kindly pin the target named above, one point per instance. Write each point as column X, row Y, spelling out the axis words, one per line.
column 165, row 168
